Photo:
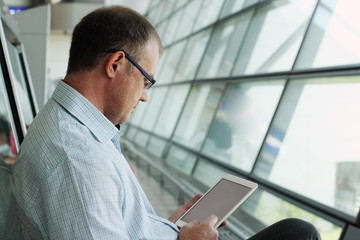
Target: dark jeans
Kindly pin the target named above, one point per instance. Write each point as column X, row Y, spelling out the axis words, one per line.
column 288, row 229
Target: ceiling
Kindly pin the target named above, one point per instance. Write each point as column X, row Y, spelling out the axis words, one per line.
column 139, row 5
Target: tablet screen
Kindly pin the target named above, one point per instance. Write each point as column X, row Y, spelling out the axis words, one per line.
column 219, row 201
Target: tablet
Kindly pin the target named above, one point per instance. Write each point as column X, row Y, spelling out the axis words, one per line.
column 221, row 200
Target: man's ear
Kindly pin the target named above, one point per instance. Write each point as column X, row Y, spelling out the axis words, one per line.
column 113, row 64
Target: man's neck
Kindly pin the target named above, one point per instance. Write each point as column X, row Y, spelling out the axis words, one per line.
column 90, row 85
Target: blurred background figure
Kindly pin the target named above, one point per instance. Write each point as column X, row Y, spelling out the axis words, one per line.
column 5, row 136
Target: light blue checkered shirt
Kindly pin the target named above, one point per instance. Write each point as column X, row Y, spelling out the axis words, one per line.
column 71, row 180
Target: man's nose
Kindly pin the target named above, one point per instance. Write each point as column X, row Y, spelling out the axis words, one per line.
column 144, row 95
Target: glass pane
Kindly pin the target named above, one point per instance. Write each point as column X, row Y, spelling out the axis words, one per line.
column 20, row 85
column 223, row 47
column 241, row 121
column 171, row 28
column 161, row 29
column 197, row 115
column 157, row 16
column 208, row 14
column 161, row 63
column 151, row 16
column 139, row 114
column 157, row 98
column 181, row 3
column 188, row 19
column 334, row 35
column 8, row 145
column 208, row 173
column 192, row 56
column 142, row 138
column 274, row 37
column 171, row 110
column 316, row 136
column 168, row 8
column 232, row 6
column 156, row 146
column 124, row 127
column 152, row 4
column 131, row 133
column 182, row 160
column 269, row 209
column 169, row 67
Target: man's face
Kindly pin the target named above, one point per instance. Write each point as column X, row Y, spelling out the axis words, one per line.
column 129, row 88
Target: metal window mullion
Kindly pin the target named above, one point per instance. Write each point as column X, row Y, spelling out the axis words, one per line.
column 28, row 80
column 305, row 35
column 10, row 88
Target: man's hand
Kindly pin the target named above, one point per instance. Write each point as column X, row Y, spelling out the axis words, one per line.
column 197, row 231
column 181, row 210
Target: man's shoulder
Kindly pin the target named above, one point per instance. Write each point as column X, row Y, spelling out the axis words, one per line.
column 52, row 137
column 56, row 122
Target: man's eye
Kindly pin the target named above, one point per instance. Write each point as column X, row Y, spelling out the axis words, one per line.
column 146, row 82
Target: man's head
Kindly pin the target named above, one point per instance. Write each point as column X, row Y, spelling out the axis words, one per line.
column 113, row 56
column 114, row 27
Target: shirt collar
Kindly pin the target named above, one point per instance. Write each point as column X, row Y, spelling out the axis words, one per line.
column 85, row 112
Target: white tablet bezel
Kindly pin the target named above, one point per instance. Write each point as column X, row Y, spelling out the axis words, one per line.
column 240, row 181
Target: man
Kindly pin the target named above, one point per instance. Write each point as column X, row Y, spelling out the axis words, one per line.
column 71, row 180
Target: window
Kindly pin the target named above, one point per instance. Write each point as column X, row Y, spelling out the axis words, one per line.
column 209, row 13
column 223, row 47
column 171, row 28
column 131, row 133
column 208, row 173
column 142, row 138
column 188, row 19
column 274, row 37
column 161, row 63
column 266, row 89
column 197, row 115
column 241, row 122
column 269, row 209
column 156, row 15
column 232, row 6
column 192, row 55
column 168, row 8
column 171, row 110
column 170, row 64
column 333, row 35
column 8, row 139
column 156, row 146
column 182, row 160
column 20, row 85
column 161, row 30
column 313, row 145
column 140, row 112
column 157, row 98
column 179, row 4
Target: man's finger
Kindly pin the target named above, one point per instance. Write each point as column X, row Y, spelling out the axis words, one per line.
column 195, row 222
column 192, row 201
column 212, row 220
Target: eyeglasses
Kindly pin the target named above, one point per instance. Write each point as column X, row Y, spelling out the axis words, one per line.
column 149, row 80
